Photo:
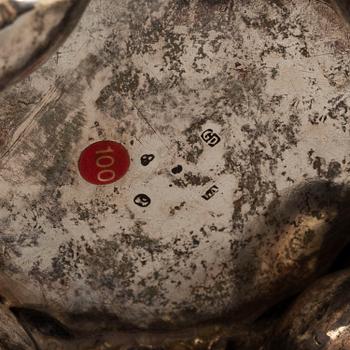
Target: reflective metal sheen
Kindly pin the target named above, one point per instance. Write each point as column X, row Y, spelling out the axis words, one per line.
column 320, row 318
column 30, row 31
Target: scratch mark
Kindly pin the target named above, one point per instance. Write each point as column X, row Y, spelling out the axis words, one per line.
column 52, row 95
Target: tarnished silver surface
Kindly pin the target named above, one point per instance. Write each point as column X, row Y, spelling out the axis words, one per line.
column 30, row 31
column 12, row 334
column 344, row 7
column 236, row 119
column 320, row 319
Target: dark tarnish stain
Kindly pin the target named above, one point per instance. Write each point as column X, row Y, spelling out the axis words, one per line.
column 195, row 151
column 111, row 103
column 334, row 170
column 192, row 134
column 124, row 83
column 336, row 113
column 331, row 171
column 279, row 30
column 259, row 151
column 190, row 179
column 107, row 264
column 176, row 208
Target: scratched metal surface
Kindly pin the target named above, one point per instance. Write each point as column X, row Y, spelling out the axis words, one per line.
column 236, row 118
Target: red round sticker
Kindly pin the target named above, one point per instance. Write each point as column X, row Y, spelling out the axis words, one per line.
column 104, row 162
